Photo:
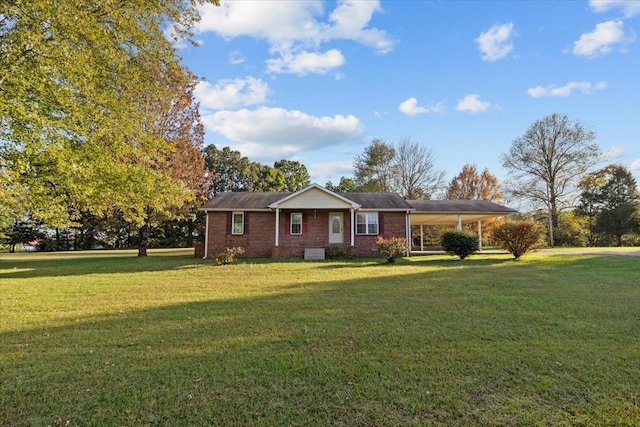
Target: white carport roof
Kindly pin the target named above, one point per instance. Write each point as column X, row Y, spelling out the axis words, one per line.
column 450, row 212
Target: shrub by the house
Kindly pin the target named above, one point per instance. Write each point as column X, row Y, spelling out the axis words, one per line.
column 228, row 255
column 518, row 237
column 459, row 243
column 392, row 247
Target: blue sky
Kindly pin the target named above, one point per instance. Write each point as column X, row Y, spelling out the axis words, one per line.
column 316, row 81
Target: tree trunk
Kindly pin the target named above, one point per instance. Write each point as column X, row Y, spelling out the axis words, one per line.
column 12, row 248
column 190, row 232
column 143, row 237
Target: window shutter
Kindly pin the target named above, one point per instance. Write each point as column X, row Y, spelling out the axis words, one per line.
column 380, row 223
column 229, row 222
column 246, row 223
column 287, row 222
column 304, row 223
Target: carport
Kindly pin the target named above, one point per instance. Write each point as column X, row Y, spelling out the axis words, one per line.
column 454, row 213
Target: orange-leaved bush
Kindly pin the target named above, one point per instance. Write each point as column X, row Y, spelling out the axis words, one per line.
column 518, row 237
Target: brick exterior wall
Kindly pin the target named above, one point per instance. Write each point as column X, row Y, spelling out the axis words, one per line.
column 259, row 237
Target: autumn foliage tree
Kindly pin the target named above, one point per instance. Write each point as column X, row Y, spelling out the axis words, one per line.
column 174, row 119
column 471, row 185
column 79, row 86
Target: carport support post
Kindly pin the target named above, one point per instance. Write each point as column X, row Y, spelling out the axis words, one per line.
column 277, row 226
column 353, row 228
column 459, row 222
column 480, row 236
column 206, row 237
column 421, row 238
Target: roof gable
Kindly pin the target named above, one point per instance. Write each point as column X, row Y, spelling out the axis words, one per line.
column 314, row 197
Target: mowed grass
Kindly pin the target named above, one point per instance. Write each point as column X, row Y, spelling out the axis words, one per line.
column 104, row 338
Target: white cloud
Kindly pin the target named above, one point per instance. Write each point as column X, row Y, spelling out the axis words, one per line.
column 231, row 93
column 330, row 171
column 349, row 21
column 271, row 133
column 635, row 167
column 295, row 28
column 410, row 107
column 236, row 58
column 629, row 7
column 553, row 90
column 612, row 152
column 495, row 44
column 602, row 39
column 472, row 104
column 306, row 62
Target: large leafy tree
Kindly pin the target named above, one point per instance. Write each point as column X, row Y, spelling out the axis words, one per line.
column 546, row 162
column 373, row 169
column 75, row 78
column 296, row 176
column 173, row 118
column 591, row 202
column 415, row 173
column 344, row 186
column 267, row 178
column 609, row 200
column 471, row 185
column 228, row 170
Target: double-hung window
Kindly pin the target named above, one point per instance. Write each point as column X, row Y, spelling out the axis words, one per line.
column 237, row 227
column 296, row 223
column 367, row 223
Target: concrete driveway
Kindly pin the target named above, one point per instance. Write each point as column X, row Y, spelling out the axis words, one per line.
column 627, row 251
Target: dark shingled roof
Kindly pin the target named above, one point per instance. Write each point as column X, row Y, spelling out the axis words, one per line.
column 245, row 200
column 384, row 201
column 380, row 201
column 456, row 206
column 251, row 200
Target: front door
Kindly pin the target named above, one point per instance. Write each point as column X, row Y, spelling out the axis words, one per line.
column 335, row 227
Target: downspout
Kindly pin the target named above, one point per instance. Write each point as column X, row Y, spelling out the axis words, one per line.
column 480, row 235
column 206, row 237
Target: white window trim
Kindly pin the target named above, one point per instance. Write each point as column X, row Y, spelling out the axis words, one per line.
column 233, row 223
column 291, row 224
column 366, row 223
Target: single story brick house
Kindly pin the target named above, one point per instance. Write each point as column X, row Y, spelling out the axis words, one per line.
column 315, row 218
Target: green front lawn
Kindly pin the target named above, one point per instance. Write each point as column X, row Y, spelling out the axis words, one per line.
column 104, row 338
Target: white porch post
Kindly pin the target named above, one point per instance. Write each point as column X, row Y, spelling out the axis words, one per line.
column 206, row 237
column 459, row 222
column 480, row 235
column 353, row 228
column 421, row 238
column 407, row 222
column 277, row 227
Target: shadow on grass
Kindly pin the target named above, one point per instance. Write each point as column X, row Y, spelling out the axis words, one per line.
column 435, row 347
column 60, row 264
